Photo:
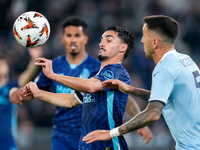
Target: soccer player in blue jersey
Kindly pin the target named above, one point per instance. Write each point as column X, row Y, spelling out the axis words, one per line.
column 8, row 111
column 77, row 63
column 102, row 108
column 175, row 90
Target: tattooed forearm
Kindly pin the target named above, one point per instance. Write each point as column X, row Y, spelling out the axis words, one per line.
column 141, row 93
column 149, row 115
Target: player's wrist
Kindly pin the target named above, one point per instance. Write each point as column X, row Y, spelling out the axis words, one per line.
column 52, row 76
column 114, row 132
column 13, row 90
column 38, row 94
column 131, row 89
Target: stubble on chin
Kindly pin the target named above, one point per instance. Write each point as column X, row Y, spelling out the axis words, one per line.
column 102, row 58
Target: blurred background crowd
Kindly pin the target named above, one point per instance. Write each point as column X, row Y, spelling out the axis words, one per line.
column 34, row 118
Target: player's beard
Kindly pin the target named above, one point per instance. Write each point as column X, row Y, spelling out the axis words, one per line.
column 102, row 58
column 74, row 53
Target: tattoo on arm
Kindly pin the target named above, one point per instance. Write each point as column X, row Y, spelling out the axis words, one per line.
column 149, row 115
column 142, row 93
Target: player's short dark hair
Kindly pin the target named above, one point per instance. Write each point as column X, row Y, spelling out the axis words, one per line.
column 126, row 36
column 74, row 21
column 164, row 25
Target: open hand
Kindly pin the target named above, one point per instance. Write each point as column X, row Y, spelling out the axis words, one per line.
column 98, row 135
column 117, row 84
column 46, row 66
column 146, row 134
column 15, row 96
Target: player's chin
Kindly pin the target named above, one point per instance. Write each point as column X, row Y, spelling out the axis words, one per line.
column 74, row 53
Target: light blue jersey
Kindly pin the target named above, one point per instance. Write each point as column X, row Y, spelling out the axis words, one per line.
column 176, row 83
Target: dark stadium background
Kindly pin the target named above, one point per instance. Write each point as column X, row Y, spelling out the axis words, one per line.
column 34, row 118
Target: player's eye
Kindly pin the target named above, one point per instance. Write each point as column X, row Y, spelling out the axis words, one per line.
column 108, row 40
column 68, row 35
column 77, row 35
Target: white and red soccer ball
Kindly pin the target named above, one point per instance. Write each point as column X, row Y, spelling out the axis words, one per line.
column 31, row 29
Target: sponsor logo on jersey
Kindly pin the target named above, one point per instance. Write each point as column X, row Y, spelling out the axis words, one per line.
column 88, row 99
column 108, row 74
column 63, row 89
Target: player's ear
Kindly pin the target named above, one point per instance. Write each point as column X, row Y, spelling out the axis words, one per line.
column 62, row 40
column 156, row 42
column 123, row 48
column 86, row 39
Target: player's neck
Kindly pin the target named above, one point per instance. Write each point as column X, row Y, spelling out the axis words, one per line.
column 160, row 53
column 76, row 59
column 110, row 61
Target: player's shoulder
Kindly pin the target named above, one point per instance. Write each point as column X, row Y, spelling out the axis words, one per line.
column 172, row 63
column 117, row 69
column 117, row 66
column 12, row 83
column 175, row 58
column 59, row 61
column 59, row 58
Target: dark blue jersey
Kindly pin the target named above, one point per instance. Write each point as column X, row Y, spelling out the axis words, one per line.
column 105, row 110
column 8, row 117
column 68, row 120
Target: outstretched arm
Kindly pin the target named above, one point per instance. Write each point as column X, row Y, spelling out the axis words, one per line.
column 15, row 94
column 151, row 114
column 132, row 109
column 58, row 99
column 31, row 70
column 84, row 85
column 125, row 88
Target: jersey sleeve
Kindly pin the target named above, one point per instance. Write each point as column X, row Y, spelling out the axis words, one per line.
column 162, row 85
column 79, row 96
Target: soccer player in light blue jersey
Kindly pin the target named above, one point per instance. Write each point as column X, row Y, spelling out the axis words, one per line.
column 175, row 90
column 102, row 108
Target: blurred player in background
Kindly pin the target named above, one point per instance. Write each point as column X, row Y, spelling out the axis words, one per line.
column 101, row 108
column 175, row 90
column 76, row 63
column 8, row 111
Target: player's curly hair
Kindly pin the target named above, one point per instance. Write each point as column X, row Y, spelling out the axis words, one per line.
column 126, row 36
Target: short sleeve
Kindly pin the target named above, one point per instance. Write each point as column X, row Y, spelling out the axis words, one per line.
column 43, row 82
column 162, row 85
